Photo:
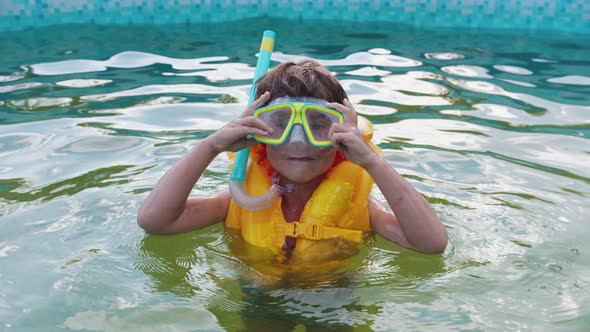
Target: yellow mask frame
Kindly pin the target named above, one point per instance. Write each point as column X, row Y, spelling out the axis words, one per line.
column 299, row 111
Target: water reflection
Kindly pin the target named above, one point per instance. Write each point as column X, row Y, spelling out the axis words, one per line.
column 82, row 83
column 467, row 71
column 19, row 86
column 513, row 70
column 39, row 104
column 167, row 89
column 444, row 56
column 379, row 58
column 169, row 260
column 127, row 59
column 18, row 190
column 571, row 79
column 187, row 266
column 183, row 317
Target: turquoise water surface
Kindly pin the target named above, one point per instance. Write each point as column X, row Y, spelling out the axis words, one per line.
column 492, row 127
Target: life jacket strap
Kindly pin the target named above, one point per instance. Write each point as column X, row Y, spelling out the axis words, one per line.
column 321, row 232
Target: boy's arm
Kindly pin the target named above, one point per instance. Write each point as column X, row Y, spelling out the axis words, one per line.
column 198, row 213
column 384, row 223
column 412, row 223
column 167, row 209
column 420, row 228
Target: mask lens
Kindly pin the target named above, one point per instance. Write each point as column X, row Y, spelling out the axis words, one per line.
column 278, row 119
column 319, row 123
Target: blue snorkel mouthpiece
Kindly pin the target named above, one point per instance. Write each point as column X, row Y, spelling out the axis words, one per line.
column 238, row 174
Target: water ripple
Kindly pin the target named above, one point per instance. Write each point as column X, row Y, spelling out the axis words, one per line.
column 467, row 71
column 571, row 79
column 555, row 112
column 91, row 145
column 383, row 92
column 20, row 86
column 413, row 82
column 171, row 88
column 39, row 104
column 18, row 190
column 221, row 72
column 128, row 59
column 9, row 78
column 82, row 83
column 183, row 317
column 444, row 56
column 18, row 143
column 513, row 70
column 359, row 58
column 6, row 249
column 368, row 71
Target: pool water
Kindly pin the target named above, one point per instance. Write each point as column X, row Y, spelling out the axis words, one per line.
column 492, row 127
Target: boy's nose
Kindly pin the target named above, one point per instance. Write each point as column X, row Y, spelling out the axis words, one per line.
column 298, row 135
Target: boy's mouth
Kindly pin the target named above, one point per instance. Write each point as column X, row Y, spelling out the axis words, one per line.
column 301, row 158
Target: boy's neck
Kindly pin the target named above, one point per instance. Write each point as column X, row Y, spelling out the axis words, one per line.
column 295, row 200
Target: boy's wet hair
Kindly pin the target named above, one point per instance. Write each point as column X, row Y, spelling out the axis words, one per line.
column 306, row 78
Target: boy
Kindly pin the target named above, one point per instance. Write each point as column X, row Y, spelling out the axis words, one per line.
column 298, row 165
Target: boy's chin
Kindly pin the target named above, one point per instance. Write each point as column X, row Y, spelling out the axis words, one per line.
column 301, row 172
column 304, row 176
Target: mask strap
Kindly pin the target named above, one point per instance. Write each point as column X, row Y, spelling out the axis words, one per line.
column 286, row 99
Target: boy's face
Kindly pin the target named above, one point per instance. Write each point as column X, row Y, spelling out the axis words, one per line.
column 298, row 160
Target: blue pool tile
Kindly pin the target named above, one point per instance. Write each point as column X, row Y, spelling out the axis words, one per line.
column 566, row 15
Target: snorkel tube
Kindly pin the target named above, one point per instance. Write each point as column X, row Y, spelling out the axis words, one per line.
column 238, row 174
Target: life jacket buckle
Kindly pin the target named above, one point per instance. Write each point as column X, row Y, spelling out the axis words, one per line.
column 314, row 232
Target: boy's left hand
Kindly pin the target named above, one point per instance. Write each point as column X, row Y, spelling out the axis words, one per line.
column 347, row 138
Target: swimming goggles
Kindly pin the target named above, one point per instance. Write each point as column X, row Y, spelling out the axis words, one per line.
column 316, row 120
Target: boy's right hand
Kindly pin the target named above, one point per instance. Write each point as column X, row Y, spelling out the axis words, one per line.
column 234, row 135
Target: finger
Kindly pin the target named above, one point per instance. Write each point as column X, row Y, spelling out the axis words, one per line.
column 255, row 131
column 340, row 128
column 243, row 144
column 336, row 128
column 353, row 114
column 244, row 131
column 254, row 122
column 338, row 141
column 257, row 103
column 260, row 101
column 348, row 111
